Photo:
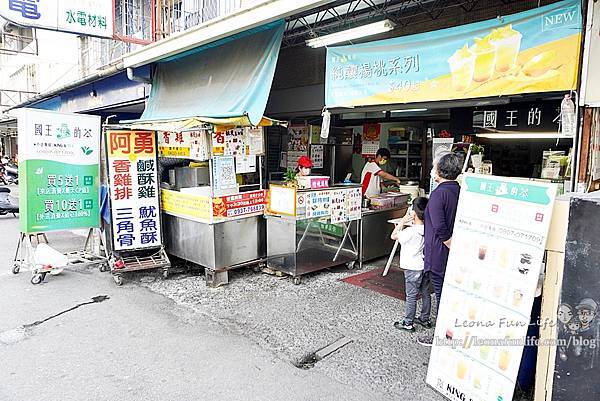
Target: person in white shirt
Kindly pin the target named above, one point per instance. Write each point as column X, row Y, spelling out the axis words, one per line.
column 410, row 234
column 372, row 174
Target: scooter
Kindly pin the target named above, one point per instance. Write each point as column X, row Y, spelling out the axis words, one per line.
column 8, row 204
column 11, row 173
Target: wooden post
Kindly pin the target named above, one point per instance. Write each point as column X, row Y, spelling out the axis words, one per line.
column 555, row 248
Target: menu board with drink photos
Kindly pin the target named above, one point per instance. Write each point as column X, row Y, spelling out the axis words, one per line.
column 497, row 250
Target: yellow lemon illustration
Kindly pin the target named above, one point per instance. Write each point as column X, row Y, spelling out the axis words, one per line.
column 539, row 64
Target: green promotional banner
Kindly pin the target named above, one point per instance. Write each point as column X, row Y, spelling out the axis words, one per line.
column 58, row 169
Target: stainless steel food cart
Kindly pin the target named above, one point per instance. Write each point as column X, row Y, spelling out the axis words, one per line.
column 375, row 231
column 297, row 245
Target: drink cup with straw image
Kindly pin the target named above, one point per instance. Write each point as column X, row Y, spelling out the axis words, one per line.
column 462, row 68
column 485, row 59
column 507, row 42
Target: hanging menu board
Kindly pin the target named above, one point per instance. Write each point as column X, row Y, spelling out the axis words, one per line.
column 497, row 251
column 134, row 195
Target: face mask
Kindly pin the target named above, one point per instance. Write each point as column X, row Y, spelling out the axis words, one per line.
column 382, row 162
column 433, row 175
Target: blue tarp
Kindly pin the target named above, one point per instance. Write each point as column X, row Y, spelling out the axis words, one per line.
column 229, row 78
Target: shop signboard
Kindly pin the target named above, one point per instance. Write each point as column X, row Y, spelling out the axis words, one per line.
column 523, row 117
column 59, row 158
column 174, row 144
column 134, row 192
column 590, row 81
column 82, row 17
column 371, row 137
column 497, row 252
column 529, row 52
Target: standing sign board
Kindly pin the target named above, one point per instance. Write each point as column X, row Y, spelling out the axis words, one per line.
column 497, row 251
column 134, row 195
column 59, row 165
column 578, row 355
column 83, row 17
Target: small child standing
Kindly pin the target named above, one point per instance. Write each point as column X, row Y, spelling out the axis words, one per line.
column 410, row 234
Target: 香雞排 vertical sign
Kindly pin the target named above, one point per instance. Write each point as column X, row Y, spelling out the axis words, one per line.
column 134, row 194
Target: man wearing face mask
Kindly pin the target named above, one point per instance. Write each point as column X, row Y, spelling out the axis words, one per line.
column 372, row 174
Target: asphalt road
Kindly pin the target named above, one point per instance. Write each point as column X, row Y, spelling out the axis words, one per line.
column 137, row 345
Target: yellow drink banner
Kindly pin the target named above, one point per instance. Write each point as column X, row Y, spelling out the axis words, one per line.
column 529, row 52
column 188, row 206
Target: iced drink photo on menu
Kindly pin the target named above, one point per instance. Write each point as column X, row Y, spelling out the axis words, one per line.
column 462, row 68
column 508, row 43
column 485, row 57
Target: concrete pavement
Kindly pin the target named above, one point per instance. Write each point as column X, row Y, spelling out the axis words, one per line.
column 178, row 340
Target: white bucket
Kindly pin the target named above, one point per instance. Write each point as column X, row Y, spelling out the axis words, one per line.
column 412, row 190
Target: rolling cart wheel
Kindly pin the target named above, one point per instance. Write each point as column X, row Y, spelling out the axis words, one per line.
column 16, row 268
column 351, row 265
column 37, row 279
column 297, row 280
column 118, row 280
column 165, row 274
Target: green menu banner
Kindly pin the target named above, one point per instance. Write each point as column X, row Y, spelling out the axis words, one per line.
column 59, row 157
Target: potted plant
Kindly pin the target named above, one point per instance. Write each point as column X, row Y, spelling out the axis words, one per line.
column 477, row 155
column 290, row 178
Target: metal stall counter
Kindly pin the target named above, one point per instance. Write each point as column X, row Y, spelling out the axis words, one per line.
column 313, row 229
column 212, row 208
column 375, row 229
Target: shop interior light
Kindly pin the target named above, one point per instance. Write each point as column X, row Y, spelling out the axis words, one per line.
column 407, row 111
column 350, row 34
column 524, row 135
